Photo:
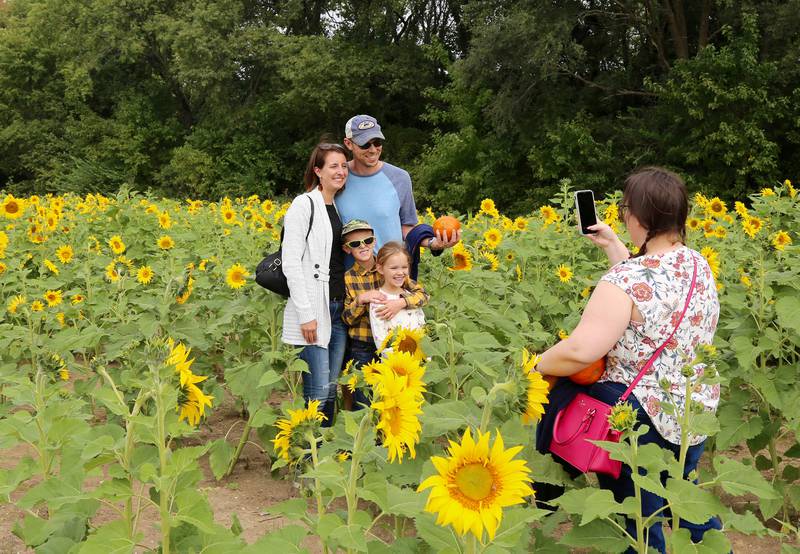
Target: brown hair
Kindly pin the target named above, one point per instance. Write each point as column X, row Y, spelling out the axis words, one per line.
column 317, row 159
column 658, row 199
column 390, row 249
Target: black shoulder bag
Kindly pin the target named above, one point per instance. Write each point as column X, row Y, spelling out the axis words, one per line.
column 269, row 273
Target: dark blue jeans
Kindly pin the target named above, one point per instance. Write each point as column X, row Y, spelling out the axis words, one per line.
column 622, row 488
column 362, row 353
column 324, row 366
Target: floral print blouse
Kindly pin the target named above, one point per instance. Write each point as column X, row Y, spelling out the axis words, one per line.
column 658, row 285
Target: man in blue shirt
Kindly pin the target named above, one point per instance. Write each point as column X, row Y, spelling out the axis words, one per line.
column 377, row 191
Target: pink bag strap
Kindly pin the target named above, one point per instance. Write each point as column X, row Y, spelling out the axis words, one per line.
column 660, row 349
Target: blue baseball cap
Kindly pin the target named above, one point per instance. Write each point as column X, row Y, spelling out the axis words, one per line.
column 362, row 128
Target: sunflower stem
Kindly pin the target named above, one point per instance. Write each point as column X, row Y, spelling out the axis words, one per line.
column 315, row 460
column 355, row 468
column 242, row 441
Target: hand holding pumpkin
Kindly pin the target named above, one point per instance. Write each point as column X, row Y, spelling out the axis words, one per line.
column 447, row 230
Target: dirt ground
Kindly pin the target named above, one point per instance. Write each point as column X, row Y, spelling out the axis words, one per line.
column 246, row 493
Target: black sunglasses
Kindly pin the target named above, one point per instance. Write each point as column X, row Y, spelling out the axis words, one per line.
column 357, row 243
column 377, row 143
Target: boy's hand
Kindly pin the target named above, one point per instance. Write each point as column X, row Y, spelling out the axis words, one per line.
column 371, row 296
column 391, row 308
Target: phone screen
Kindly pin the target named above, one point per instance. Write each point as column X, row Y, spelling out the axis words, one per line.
column 586, row 212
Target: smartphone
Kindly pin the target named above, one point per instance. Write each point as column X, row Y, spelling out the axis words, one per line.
column 587, row 216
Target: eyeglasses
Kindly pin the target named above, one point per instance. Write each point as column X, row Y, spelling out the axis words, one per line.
column 357, row 243
column 377, row 143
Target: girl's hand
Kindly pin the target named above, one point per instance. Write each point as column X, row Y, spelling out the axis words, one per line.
column 371, row 296
column 391, row 308
column 604, row 236
column 309, row 331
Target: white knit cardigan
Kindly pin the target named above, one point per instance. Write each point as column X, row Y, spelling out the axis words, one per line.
column 305, row 264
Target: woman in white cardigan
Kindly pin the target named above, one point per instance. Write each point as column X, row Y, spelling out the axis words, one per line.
column 314, row 269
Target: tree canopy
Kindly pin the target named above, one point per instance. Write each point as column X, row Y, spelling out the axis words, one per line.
column 500, row 98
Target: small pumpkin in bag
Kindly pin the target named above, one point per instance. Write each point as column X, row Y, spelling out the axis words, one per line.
column 591, row 373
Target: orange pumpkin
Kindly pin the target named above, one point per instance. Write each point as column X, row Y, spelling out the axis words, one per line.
column 446, row 224
column 591, row 373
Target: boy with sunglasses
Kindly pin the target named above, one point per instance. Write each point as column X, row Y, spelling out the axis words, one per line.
column 362, row 287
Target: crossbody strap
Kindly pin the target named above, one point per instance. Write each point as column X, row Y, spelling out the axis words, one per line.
column 310, row 221
column 660, row 349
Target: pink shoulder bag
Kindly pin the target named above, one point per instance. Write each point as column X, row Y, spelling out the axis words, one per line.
column 585, row 419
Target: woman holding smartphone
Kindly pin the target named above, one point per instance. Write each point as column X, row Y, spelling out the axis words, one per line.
column 314, row 269
column 631, row 312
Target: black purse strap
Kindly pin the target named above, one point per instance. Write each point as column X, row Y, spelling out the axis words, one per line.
column 310, row 221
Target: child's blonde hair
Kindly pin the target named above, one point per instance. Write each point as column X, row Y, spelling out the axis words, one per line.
column 390, row 249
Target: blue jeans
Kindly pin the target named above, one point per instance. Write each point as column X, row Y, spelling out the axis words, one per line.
column 325, row 364
column 622, row 488
column 363, row 353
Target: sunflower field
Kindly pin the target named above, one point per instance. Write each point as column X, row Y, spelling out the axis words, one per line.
column 128, row 320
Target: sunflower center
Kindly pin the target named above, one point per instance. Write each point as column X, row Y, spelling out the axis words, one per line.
column 460, row 260
column 408, row 345
column 12, row 207
column 475, row 481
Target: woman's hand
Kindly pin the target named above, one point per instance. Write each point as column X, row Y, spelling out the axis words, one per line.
column 391, row 308
column 309, row 331
column 605, row 237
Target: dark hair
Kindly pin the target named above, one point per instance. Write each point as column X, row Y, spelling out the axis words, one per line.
column 317, row 159
column 390, row 249
column 658, row 199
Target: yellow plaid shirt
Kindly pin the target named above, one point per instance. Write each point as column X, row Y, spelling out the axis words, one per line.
column 355, row 315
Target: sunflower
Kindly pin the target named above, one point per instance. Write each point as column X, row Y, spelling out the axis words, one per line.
column 781, row 239
column 745, row 280
column 767, row 192
column 116, row 244
column 518, row 271
column 716, row 207
column 267, row 206
column 37, row 306
column 15, row 303
column 292, row 431
column 409, row 341
column 398, row 408
column 112, row 274
column 562, row 334
column 622, row 417
column 700, row 200
column 12, row 208
column 586, row 292
column 535, row 396
column 191, row 400
column 64, row 254
column 712, row 257
column 228, row 215
column 51, row 266
column 708, row 225
column 61, row 318
column 57, row 366
column 752, row 225
column 53, row 297
column 564, row 272
column 462, row 259
column 611, row 214
column 720, row 232
column 740, row 209
column 77, row 299
column 164, row 220
column 403, row 365
column 549, row 214
column 474, row 483
column 186, row 291
column 165, row 242
column 488, row 207
column 493, row 237
column 179, row 357
column 236, row 276
column 144, row 274
column 693, row 223
column 492, row 258
column 788, row 184
column 3, row 268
